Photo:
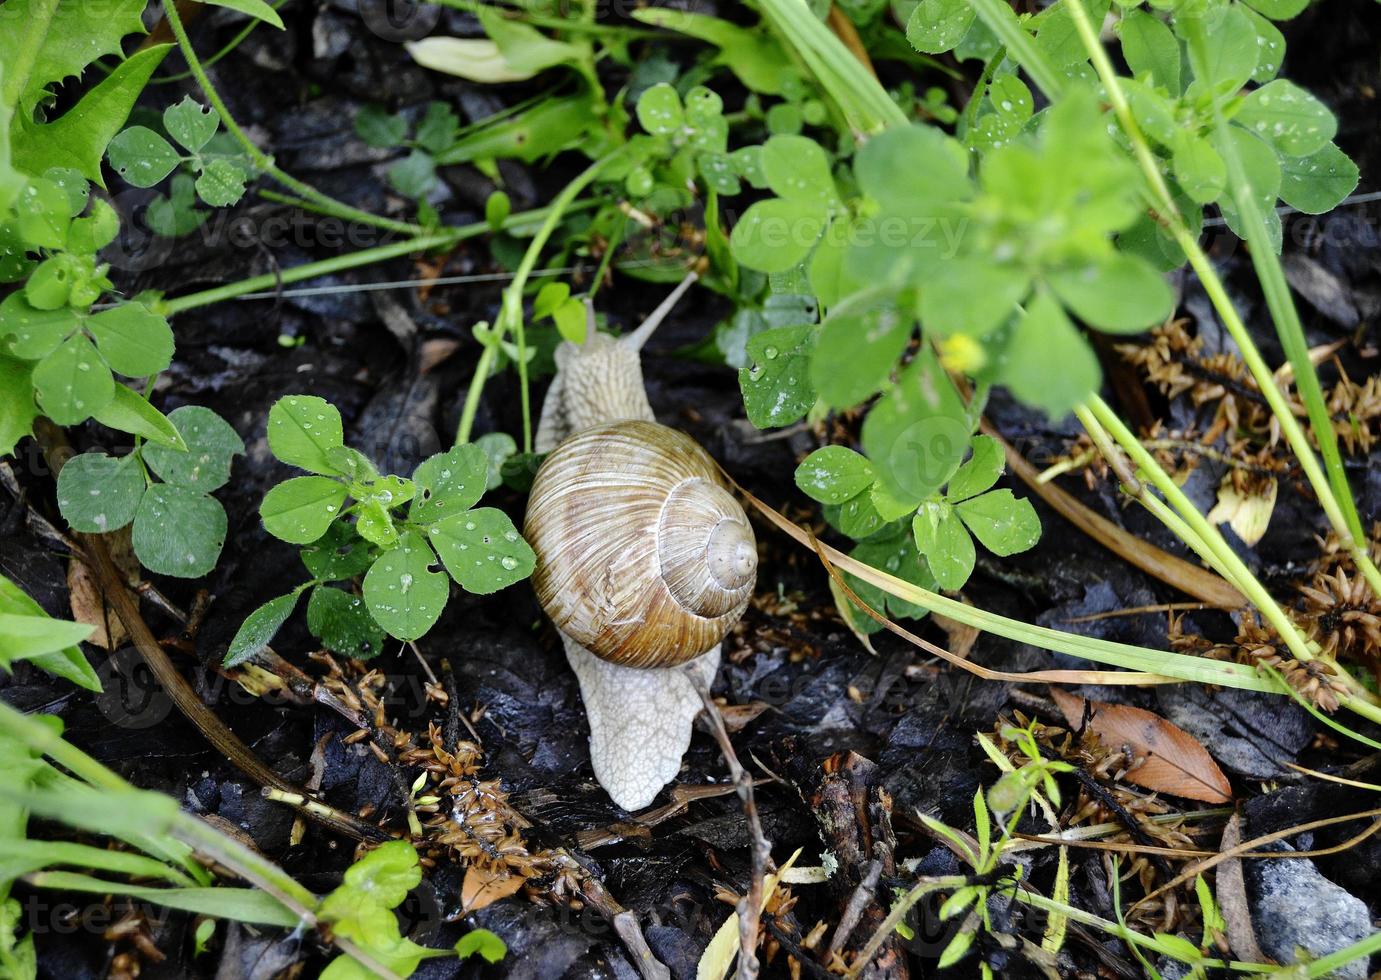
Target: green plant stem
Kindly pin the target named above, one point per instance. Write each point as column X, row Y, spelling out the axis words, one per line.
column 230, row 46
column 262, row 160
column 1003, row 22
column 511, row 309
column 1331, row 488
column 351, row 260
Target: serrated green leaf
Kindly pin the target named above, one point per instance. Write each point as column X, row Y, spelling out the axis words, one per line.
column 482, row 550
column 1119, row 294
column 71, row 39
column 979, row 472
column 404, row 595
column 1317, row 183
column 99, row 493
column 142, row 157
column 73, row 383
column 77, row 140
column 212, row 444
column 776, row 386
column 300, row 510
column 178, row 532
column 1004, row 523
column 17, row 407
column 301, row 429
column 133, row 339
column 449, row 483
column 1049, row 365
column 339, row 554
column 259, row 629
column 1287, row 117
column 946, row 546
column 659, row 110
column 379, row 128
column 129, row 412
column 342, row 623
column 221, row 183
column 859, row 345
column 834, row 474
column 257, row 9
column 489, row 946
column 191, row 123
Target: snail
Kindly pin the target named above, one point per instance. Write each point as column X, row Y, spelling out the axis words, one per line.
column 644, row 559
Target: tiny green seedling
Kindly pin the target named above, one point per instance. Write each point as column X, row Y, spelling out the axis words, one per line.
column 351, row 521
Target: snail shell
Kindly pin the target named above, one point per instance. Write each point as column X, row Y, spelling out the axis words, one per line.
column 643, row 556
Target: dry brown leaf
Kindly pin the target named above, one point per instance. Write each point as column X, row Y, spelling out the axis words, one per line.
column 483, row 887
column 89, row 607
column 1231, row 893
column 1171, row 760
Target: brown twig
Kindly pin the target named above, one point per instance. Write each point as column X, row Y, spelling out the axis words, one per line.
column 750, row 905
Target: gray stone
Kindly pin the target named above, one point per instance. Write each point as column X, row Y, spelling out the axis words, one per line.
column 1294, row 906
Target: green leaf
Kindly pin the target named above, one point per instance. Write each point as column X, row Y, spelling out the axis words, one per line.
column 489, row 946
column 178, row 532
column 1151, row 50
column 17, row 408
column 259, row 629
column 37, row 333
column 659, row 110
column 936, row 26
column 438, row 129
column 913, row 169
column 134, row 340
column 26, row 637
column 221, row 183
column 1287, row 117
column 302, row 428
column 257, row 9
column 858, row 517
column 142, row 157
column 497, row 208
column 947, row 547
column 449, row 483
column 1120, row 294
column 1048, row 364
column 918, row 433
column 894, row 552
column 404, row 595
column 1229, row 57
column 191, row 123
column 211, row 445
column 834, row 474
column 99, row 493
column 1262, row 167
column 858, row 347
column 777, row 234
column 78, row 139
column 571, row 322
column 50, row 285
column 776, row 386
column 974, row 296
column 497, row 448
column 482, row 550
column 343, row 624
column 339, row 554
column 1199, row 168
column 72, row 39
column 374, row 523
column 1319, row 182
column 73, row 382
column 129, row 412
column 797, row 169
column 301, row 509
column 42, row 214
column 68, row 663
column 1270, row 46
column 385, row 875
column 980, row 471
column 379, row 128
column 1004, row 523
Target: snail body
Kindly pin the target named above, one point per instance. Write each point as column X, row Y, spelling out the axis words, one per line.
column 644, row 559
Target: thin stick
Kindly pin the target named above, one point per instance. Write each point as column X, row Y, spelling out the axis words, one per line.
column 750, row 905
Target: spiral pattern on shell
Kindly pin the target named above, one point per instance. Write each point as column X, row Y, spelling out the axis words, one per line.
column 643, row 556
